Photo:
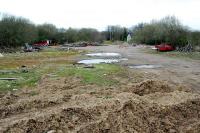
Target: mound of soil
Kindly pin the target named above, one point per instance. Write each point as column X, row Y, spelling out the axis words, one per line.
column 69, row 106
column 152, row 86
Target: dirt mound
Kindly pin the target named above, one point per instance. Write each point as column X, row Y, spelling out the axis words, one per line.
column 138, row 115
column 69, row 106
column 153, row 86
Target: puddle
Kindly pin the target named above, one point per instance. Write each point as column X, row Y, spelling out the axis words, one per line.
column 98, row 61
column 123, row 59
column 104, row 54
column 147, row 66
column 103, row 58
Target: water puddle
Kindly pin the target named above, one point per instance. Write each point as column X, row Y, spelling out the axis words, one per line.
column 103, row 58
column 104, row 54
column 98, row 61
column 146, row 66
column 123, row 59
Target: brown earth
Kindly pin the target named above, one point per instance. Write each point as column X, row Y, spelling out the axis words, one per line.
column 66, row 105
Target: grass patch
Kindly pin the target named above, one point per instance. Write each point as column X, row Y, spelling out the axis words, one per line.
column 56, row 63
column 100, row 75
column 37, row 63
column 24, row 79
column 16, row 60
column 176, row 54
column 51, row 62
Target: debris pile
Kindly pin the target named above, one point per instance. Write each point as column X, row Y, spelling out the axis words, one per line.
column 82, row 44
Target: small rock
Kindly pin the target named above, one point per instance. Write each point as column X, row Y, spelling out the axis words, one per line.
column 70, row 125
column 23, row 66
column 89, row 66
column 24, row 69
column 52, row 131
column 172, row 131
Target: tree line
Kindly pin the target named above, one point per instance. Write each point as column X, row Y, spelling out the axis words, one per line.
column 15, row 31
column 167, row 30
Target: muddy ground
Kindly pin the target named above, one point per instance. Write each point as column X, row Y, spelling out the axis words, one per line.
column 156, row 104
column 174, row 70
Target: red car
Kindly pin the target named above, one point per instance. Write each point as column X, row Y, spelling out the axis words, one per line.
column 41, row 44
column 164, row 47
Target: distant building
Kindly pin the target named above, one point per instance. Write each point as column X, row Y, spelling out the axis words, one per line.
column 128, row 38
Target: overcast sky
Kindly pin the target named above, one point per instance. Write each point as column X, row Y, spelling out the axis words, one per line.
column 100, row 13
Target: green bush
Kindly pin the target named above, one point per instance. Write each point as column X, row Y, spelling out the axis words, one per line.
column 15, row 32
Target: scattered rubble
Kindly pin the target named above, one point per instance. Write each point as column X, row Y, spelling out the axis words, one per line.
column 82, row 44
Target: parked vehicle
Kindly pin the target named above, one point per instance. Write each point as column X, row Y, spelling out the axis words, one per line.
column 28, row 48
column 164, row 47
column 31, row 48
column 41, row 44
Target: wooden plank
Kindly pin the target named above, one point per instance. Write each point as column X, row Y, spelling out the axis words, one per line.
column 8, row 78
